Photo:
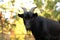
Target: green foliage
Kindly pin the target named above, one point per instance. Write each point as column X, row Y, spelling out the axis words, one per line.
column 57, row 0
column 49, row 4
column 47, row 15
column 55, row 14
column 38, row 3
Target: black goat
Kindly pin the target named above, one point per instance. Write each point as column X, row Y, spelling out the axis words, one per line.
column 42, row 28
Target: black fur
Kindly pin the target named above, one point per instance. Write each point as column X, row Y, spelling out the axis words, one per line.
column 59, row 20
column 42, row 28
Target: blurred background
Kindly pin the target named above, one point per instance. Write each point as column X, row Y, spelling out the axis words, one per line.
column 12, row 27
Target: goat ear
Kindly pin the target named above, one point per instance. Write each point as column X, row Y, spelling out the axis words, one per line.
column 20, row 15
column 35, row 15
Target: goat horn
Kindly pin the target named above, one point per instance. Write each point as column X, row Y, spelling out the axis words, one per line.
column 32, row 9
column 24, row 9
